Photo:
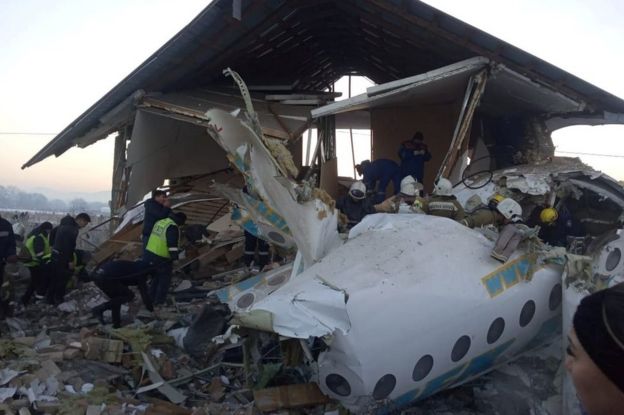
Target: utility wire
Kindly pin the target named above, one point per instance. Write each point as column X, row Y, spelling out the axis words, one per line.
column 590, row 154
column 23, row 133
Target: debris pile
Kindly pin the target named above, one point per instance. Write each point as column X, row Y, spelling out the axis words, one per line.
column 60, row 360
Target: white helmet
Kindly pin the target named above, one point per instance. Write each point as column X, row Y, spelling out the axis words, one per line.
column 410, row 186
column 510, row 209
column 443, row 187
column 358, row 190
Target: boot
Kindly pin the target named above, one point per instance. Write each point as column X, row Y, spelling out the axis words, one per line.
column 98, row 312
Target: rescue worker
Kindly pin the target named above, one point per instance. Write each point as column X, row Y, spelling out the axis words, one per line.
column 442, row 203
column 156, row 208
column 253, row 244
column 413, row 155
column 555, row 228
column 595, row 352
column 7, row 255
column 377, row 174
column 161, row 250
column 355, row 205
column 513, row 231
column 402, row 202
column 63, row 247
column 485, row 215
column 38, row 246
column 79, row 261
column 114, row 278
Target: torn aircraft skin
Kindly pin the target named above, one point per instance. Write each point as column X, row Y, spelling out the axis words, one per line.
column 410, row 304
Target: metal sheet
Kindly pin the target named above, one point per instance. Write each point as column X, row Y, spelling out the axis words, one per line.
column 440, row 86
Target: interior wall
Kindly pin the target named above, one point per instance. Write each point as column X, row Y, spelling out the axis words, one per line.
column 164, row 148
column 391, row 126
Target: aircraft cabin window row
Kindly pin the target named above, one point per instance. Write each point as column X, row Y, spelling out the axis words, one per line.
column 386, row 384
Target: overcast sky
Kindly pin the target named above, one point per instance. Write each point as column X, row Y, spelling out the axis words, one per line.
column 60, row 56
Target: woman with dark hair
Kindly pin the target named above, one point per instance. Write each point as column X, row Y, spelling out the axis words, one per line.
column 595, row 352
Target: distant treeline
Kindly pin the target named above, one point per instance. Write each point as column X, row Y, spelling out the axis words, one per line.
column 14, row 198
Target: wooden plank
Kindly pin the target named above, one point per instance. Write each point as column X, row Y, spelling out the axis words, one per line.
column 329, row 177
column 289, row 397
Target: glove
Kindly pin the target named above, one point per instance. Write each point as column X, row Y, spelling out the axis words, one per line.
column 417, row 206
column 11, row 259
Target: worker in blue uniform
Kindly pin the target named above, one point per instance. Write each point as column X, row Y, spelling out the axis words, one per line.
column 413, row 154
column 377, row 174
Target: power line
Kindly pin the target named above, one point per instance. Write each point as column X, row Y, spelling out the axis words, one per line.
column 590, row 154
column 23, row 133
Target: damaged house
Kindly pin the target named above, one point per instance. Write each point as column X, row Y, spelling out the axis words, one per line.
column 487, row 110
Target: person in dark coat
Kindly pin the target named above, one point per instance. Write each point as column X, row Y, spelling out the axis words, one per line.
column 413, row 154
column 161, row 250
column 595, row 352
column 114, row 278
column 38, row 246
column 62, row 261
column 156, row 208
column 355, row 205
column 377, row 174
column 253, row 244
column 555, row 226
column 7, row 255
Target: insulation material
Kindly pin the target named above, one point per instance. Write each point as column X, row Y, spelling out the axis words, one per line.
column 531, row 184
column 163, row 148
column 282, row 155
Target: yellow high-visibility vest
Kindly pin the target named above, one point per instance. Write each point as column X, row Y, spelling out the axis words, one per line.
column 157, row 242
column 30, row 247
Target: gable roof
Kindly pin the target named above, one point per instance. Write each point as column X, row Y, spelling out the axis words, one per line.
column 305, row 45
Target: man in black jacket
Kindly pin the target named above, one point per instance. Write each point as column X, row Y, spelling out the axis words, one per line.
column 114, row 278
column 7, row 254
column 63, row 255
column 156, row 208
